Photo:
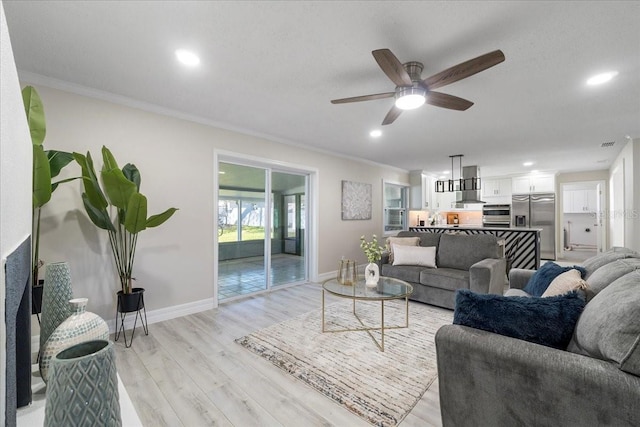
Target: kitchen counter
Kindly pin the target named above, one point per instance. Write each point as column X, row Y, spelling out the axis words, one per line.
column 521, row 245
column 473, row 227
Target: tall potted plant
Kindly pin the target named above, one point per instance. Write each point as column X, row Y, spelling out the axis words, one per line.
column 47, row 165
column 120, row 192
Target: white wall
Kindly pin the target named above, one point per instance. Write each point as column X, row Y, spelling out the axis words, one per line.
column 577, row 225
column 175, row 156
column 625, row 194
column 15, row 177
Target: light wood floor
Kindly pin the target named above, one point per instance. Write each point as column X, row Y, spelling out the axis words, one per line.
column 190, row 372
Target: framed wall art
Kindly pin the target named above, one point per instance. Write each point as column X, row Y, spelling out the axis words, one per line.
column 356, row 200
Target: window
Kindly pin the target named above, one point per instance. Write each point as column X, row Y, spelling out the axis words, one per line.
column 395, row 207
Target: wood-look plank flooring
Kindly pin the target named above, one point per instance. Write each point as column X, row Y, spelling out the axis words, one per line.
column 189, row 371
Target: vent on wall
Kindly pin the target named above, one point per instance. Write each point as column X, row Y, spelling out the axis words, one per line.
column 607, row 144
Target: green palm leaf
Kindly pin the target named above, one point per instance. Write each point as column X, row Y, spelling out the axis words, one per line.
column 118, row 188
column 136, row 216
column 156, row 220
column 35, row 114
column 99, row 216
column 41, row 177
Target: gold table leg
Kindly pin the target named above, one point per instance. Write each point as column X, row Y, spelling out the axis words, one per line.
column 367, row 329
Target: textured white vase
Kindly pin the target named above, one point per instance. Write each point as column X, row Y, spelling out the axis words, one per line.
column 81, row 326
column 371, row 274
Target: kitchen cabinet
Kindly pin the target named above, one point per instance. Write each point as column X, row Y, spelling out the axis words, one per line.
column 496, row 188
column 533, row 184
column 422, row 191
column 445, row 201
column 579, row 201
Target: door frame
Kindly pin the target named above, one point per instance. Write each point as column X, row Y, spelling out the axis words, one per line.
column 601, row 216
column 312, row 198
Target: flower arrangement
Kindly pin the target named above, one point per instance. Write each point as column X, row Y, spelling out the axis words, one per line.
column 371, row 249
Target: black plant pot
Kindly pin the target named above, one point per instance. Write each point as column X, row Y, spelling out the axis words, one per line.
column 36, row 297
column 128, row 303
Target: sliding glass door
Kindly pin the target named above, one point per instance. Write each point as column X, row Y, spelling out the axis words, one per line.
column 261, row 229
column 288, row 254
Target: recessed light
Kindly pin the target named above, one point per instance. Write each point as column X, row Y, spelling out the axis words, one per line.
column 527, row 164
column 445, row 172
column 187, row 57
column 598, row 79
column 375, row 133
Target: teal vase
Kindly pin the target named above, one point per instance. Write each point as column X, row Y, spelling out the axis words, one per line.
column 83, row 387
column 79, row 327
column 55, row 299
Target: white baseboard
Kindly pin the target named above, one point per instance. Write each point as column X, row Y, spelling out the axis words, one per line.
column 332, row 274
column 167, row 313
column 153, row 316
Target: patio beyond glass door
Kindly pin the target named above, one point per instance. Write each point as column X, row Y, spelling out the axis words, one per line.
column 261, row 229
column 288, row 264
column 242, row 224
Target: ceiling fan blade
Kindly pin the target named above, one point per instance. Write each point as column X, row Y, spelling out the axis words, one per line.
column 464, row 70
column 363, row 98
column 447, row 101
column 391, row 116
column 392, row 67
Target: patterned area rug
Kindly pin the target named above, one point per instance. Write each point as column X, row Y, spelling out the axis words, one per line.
column 348, row 367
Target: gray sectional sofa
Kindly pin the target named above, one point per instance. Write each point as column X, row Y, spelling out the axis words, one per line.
column 463, row 262
column 491, row 379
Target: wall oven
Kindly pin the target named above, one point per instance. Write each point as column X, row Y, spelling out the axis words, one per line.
column 496, row 216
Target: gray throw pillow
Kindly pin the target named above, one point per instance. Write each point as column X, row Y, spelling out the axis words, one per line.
column 607, row 274
column 595, row 262
column 609, row 327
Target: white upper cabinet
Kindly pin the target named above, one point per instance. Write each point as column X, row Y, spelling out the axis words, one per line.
column 579, row 201
column 445, row 201
column 496, row 187
column 533, row 184
column 422, row 188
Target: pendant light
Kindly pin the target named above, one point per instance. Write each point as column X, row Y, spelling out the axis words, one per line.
column 463, row 184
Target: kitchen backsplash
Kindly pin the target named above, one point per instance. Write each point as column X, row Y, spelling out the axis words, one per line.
column 464, row 217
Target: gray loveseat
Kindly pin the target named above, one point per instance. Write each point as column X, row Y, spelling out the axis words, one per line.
column 463, row 262
column 490, row 379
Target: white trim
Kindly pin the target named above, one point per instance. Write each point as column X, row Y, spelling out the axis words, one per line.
column 38, row 79
column 313, row 190
column 35, row 343
column 153, row 316
column 166, row 313
column 602, row 201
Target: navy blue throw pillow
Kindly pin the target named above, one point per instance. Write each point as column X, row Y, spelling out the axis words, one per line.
column 548, row 321
column 541, row 279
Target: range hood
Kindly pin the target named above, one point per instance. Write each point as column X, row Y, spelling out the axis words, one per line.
column 469, row 186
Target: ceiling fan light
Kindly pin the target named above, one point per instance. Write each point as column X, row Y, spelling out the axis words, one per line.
column 409, row 98
column 601, row 78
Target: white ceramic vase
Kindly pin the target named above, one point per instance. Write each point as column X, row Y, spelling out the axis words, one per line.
column 81, row 326
column 371, row 274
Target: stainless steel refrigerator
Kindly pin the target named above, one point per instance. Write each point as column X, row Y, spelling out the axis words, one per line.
column 537, row 211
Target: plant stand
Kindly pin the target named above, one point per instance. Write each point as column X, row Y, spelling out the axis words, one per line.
column 36, row 299
column 130, row 303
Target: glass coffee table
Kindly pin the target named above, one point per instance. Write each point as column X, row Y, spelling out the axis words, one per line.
column 387, row 288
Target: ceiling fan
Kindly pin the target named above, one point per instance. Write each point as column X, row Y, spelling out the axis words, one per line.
column 412, row 91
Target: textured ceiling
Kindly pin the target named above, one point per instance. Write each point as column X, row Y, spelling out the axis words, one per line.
column 271, row 68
